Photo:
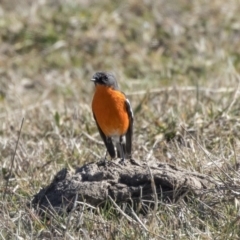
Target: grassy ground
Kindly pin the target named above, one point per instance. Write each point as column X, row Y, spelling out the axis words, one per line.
column 178, row 61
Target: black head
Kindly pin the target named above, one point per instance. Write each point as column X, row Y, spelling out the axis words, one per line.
column 106, row 79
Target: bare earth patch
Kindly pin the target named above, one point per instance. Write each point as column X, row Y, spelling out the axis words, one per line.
column 95, row 183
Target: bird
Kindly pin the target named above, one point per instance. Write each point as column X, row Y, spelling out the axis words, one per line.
column 113, row 115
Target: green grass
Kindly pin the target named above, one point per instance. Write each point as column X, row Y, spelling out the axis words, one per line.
column 178, row 61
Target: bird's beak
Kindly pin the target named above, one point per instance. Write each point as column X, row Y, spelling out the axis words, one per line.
column 93, row 80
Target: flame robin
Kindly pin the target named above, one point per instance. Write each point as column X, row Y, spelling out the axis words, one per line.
column 113, row 115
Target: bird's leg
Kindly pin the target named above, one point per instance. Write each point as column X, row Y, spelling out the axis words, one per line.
column 105, row 157
column 105, row 161
column 120, row 149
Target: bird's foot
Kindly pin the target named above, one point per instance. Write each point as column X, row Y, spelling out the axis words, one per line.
column 122, row 161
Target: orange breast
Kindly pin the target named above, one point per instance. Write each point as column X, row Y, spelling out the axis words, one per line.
column 109, row 108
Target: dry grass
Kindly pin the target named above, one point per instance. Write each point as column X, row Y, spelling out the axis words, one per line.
column 179, row 63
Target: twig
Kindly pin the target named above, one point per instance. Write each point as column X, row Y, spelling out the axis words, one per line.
column 120, row 210
column 92, row 138
column 153, row 185
column 184, row 89
column 151, row 151
column 234, row 97
column 70, row 214
column 86, row 204
column 139, row 221
column 233, row 144
column 12, row 160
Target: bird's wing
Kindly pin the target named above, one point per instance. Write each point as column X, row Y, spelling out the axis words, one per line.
column 129, row 132
column 107, row 141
